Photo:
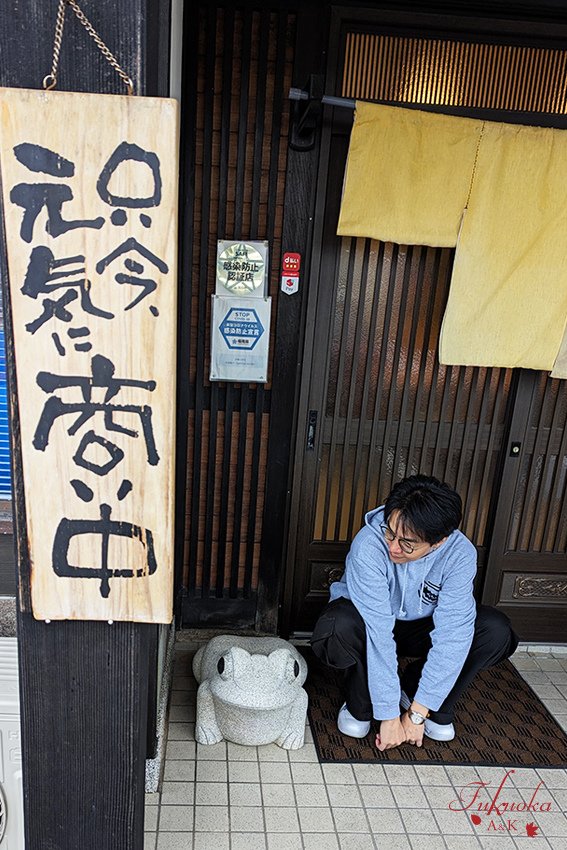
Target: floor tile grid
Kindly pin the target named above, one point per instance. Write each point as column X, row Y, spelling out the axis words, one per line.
column 268, row 786
column 299, row 801
column 412, row 811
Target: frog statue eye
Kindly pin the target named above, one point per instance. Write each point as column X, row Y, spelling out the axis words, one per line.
column 225, row 666
column 292, row 670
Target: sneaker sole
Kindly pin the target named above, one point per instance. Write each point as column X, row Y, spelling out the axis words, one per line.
column 348, row 732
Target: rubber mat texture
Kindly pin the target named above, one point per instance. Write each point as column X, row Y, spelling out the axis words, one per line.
column 498, row 721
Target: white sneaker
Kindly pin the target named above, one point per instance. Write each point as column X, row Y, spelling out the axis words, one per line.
column 350, row 726
column 435, row 731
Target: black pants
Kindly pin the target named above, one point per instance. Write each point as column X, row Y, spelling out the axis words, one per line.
column 339, row 640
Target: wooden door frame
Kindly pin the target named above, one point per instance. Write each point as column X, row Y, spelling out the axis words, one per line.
column 423, row 25
column 527, row 620
column 225, row 599
column 297, row 235
column 304, row 468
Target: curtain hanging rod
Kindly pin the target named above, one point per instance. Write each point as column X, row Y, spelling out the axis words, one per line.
column 330, row 100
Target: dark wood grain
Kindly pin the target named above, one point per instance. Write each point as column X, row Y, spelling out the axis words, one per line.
column 84, row 685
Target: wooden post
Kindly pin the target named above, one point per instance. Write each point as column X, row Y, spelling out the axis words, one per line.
column 84, row 685
column 312, row 34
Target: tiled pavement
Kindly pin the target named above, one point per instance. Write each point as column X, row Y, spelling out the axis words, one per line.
column 229, row 797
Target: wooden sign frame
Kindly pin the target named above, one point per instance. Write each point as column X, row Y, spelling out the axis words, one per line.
column 90, row 185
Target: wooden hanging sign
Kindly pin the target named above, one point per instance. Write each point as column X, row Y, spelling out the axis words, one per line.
column 89, row 186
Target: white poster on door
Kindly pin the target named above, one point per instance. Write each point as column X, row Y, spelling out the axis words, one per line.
column 240, row 336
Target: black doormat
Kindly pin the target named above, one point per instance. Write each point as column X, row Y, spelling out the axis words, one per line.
column 499, row 721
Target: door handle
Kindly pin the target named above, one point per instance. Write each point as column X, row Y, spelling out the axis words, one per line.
column 311, row 430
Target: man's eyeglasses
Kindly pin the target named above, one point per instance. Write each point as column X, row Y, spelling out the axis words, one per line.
column 405, row 545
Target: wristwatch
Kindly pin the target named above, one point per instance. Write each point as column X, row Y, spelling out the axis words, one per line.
column 416, row 717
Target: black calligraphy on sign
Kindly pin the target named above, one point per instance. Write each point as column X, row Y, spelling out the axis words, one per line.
column 47, row 273
column 105, row 528
column 34, row 197
column 102, row 377
column 147, row 284
column 58, row 280
column 127, row 153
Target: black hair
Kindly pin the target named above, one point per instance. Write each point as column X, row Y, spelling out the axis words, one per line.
column 428, row 507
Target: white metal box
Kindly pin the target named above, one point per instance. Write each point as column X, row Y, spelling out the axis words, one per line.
column 11, row 808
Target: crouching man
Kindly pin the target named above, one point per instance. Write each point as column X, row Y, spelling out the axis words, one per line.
column 407, row 590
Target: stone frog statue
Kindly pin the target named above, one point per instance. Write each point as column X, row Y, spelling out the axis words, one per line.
column 250, row 692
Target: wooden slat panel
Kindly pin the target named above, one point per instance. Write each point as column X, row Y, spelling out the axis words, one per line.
column 418, row 415
column 390, row 406
column 243, row 74
column 538, row 521
column 454, row 73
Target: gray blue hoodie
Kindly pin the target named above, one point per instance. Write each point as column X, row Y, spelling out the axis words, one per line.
column 439, row 584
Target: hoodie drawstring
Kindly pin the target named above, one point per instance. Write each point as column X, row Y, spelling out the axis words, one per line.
column 401, row 612
column 421, row 589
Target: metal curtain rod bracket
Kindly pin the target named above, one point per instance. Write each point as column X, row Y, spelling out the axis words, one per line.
column 328, row 99
column 307, row 110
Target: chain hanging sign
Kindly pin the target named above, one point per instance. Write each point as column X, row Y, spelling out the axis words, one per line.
column 89, row 199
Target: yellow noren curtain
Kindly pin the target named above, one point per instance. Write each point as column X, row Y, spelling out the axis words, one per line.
column 409, row 175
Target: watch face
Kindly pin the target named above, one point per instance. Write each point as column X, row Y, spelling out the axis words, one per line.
column 416, row 718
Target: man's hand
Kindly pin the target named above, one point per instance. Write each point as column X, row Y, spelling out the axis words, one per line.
column 412, row 731
column 391, row 734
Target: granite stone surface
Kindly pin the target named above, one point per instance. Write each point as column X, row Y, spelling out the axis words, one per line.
column 250, row 692
column 7, row 616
